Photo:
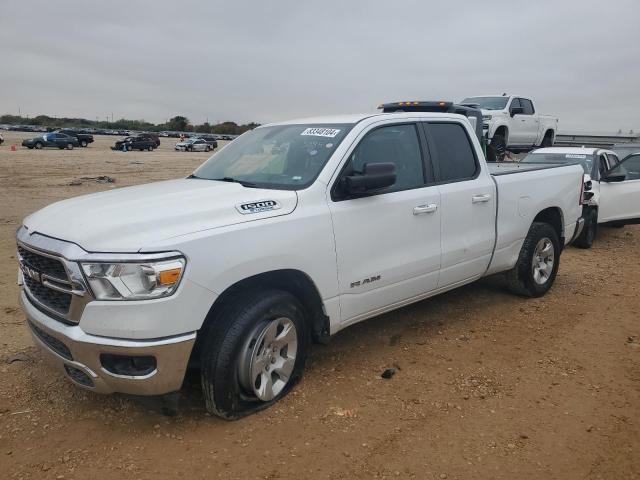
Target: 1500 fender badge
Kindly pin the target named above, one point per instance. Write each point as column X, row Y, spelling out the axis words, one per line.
column 361, row 283
column 257, row 207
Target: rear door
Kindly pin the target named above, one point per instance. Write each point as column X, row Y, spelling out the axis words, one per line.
column 620, row 200
column 468, row 203
column 388, row 243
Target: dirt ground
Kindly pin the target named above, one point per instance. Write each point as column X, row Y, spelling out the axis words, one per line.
column 488, row 385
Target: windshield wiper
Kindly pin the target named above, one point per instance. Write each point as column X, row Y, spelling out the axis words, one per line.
column 235, row 180
column 195, row 176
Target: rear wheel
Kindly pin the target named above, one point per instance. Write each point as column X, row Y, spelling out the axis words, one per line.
column 547, row 141
column 588, row 234
column 252, row 352
column 537, row 265
column 69, row 146
column 38, row 145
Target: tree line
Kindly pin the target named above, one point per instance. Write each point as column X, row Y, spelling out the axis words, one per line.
column 178, row 123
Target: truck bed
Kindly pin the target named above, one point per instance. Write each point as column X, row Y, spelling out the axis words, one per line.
column 506, row 168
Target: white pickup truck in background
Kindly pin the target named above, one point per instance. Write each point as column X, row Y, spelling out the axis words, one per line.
column 289, row 234
column 511, row 122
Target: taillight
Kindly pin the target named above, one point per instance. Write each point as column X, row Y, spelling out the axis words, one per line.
column 582, row 201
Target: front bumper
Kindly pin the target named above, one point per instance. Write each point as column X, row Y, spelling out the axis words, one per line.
column 78, row 356
column 578, row 229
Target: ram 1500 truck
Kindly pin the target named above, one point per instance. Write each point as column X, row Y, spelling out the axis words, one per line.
column 511, row 122
column 289, row 234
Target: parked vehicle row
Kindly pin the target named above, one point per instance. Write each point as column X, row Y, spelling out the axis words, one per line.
column 293, row 232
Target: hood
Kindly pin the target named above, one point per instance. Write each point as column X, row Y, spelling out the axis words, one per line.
column 128, row 219
column 493, row 113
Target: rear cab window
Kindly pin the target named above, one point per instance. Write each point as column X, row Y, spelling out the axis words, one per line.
column 453, row 155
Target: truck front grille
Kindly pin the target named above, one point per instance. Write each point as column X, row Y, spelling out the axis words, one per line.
column 43, row 264
column 46, row 280
column 53, row 299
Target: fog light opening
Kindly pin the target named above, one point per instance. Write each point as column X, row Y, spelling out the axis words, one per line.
column 78, row 376
column 128, row 365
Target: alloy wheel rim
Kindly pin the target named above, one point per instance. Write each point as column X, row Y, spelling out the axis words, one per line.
column 543, row 261
column 268, row 358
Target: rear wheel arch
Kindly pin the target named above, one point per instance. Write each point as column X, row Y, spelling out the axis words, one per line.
column 548, row 138
column 554, row 217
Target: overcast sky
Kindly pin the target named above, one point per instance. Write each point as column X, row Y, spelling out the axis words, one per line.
column 272, row 60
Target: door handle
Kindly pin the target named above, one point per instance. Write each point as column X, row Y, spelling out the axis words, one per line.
column 481, row 198
column 422, row 209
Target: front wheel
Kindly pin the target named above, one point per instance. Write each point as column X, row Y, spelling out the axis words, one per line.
column 497, row 148
column 83, row 143
column 252, row 352
column 38, row 145
column 537, row 265
column 588, row 234
column 69, row 146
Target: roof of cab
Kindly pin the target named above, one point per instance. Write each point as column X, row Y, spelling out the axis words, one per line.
column 355, row 118
column 582, row 150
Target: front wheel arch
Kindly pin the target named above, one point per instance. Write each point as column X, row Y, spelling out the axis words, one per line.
column 296, row 282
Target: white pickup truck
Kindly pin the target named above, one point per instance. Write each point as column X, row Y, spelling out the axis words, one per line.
column 612, row 187
column 289, row 234
column 510, row 122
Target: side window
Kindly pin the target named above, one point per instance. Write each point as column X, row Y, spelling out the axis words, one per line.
column 515, row 103
column 397, row 144
column 527, row 106
column 453, row 152
column 613, row 160
column 630, row 166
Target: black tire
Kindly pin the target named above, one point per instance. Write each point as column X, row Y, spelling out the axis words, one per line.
column 69, row 146
column 547, row 141
column 588, row 234
column 228, row 334
column 520, row 279
column 83, row 143
column 498, row 148
column 38, row 145
column 207, row 148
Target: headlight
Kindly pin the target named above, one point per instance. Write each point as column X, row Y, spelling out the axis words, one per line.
column 486, row 117
column 134, row 281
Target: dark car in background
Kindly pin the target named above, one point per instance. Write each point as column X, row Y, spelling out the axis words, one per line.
column 135, row 143
column 151, row 136
column 207, row 137
column 84, row 139
column 55, row 139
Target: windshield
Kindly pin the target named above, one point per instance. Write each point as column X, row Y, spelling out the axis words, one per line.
column 488, row 103
column 287, row 157
column 585, row 160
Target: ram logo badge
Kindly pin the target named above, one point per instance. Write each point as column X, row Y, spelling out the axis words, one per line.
column 257, row 207
column 361, row 283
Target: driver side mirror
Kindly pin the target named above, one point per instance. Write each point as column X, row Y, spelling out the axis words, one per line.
column 614, row 176
column 374, row 177
column 516, row 111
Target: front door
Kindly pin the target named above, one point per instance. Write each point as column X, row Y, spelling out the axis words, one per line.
column 620, row 200
column 387, row 244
